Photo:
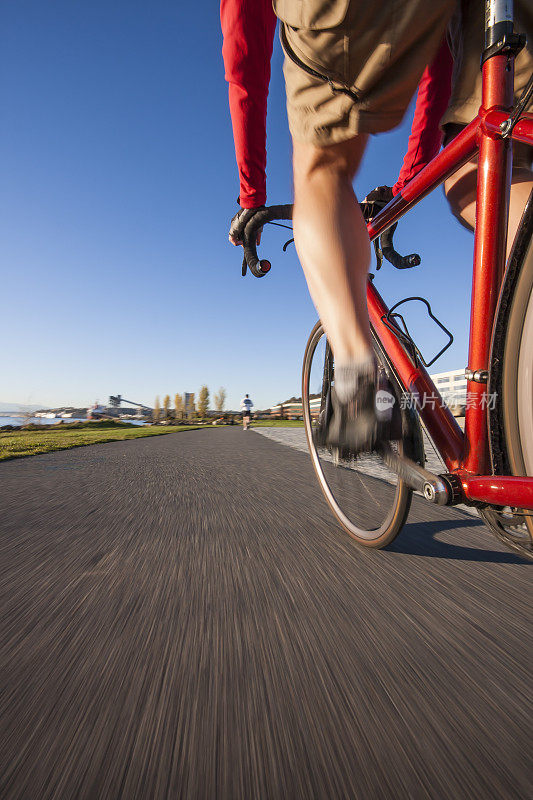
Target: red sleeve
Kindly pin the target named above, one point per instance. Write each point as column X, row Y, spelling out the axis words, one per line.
column 248, row 27
column 432, row 101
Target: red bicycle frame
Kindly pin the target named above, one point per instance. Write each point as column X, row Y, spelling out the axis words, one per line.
column 467, row 454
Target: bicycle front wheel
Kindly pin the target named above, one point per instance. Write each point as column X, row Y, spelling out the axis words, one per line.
column 368, row 499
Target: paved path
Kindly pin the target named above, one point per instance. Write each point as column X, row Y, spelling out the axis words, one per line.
column 296, row 438
column 182, row 618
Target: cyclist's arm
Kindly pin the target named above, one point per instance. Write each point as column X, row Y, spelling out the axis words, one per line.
column 248, row 27
column 432, row 100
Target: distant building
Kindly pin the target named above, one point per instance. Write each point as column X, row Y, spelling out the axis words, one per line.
column 451, row 386
column 189, row 403
column 292, row 409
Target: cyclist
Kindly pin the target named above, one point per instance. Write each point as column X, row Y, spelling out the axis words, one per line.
column 350, row 70
column 246, row 407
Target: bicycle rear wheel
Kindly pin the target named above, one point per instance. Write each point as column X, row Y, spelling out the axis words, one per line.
column 511, row 379
column 368, row 499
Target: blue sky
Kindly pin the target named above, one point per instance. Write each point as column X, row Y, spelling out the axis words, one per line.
column 118, row 184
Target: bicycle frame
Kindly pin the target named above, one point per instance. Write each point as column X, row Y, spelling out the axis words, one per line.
column 467, row 454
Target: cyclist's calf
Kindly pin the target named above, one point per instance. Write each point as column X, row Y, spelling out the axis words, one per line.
column 332, row 242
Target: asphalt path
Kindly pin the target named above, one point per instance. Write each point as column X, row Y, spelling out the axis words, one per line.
column 181, row 617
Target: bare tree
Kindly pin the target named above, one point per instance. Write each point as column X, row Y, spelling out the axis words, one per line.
column 156, row 413
column 178, row 406
column 166, row 406
column 220, row 399
column 203, row 401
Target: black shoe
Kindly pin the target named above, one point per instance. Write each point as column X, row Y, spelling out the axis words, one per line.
column 321, row 430
column 360, row 424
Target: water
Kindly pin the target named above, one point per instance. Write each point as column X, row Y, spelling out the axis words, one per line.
column 18, row 421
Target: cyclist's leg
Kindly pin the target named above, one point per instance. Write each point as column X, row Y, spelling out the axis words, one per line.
column 332, row 242
column 379, row 50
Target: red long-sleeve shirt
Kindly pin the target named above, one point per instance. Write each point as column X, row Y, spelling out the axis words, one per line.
column 432, row 101
column 248, row 27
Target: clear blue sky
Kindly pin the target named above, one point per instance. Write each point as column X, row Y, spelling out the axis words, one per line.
column 118, row 184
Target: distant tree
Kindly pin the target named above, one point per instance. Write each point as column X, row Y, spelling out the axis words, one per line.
column 156, row 413
column 166, row 405
column 220, row 399
column 203, row 401
column 178, row 406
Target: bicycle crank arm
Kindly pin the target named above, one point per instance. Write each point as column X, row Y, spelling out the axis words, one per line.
column 433, row 487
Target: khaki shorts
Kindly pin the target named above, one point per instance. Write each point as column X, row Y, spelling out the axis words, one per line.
column 379, row 49
column 466, row 43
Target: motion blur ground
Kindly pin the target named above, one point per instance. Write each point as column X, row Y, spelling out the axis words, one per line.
column 160, row 639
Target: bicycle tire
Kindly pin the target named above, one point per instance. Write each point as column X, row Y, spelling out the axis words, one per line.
column 398, row 499
column 511, row 379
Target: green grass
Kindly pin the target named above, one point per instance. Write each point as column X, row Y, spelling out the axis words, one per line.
column 15, row 444
column 277, row 423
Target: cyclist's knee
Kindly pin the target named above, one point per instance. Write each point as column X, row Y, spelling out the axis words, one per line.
column 461, row 189
column 342, row 159
column 522, row 175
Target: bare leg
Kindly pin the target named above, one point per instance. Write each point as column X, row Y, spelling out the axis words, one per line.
column 332, row 242
column 460, row 192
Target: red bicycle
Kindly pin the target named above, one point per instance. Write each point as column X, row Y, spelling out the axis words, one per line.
column 488, row 465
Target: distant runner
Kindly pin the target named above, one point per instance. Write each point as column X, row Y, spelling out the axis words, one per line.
column 246, row 406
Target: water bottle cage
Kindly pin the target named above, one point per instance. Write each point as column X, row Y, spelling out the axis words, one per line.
column 396, row 323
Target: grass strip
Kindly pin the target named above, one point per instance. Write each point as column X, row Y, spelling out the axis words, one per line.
column 16, row 444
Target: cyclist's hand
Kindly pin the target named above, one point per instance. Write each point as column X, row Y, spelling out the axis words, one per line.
column 375, row 201
column 239, row 222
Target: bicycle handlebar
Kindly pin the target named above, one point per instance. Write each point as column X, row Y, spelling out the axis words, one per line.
column 260, row 268
column 251, row 259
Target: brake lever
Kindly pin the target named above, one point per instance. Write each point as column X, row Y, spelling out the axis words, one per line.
column 373, row 203
column 379, row 253
column 386, row 246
